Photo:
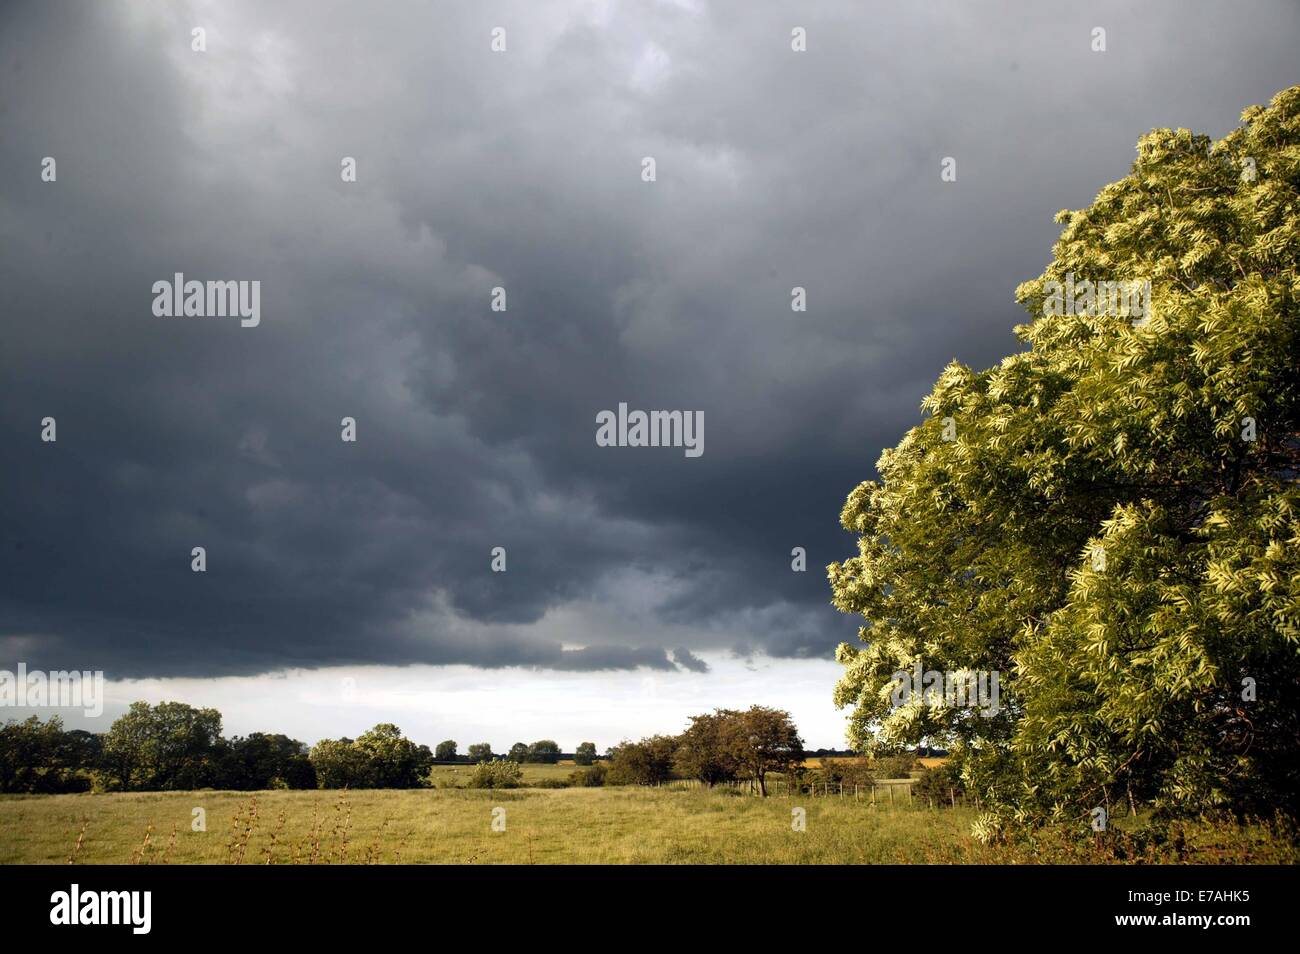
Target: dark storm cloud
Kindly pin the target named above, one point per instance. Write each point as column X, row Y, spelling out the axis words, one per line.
column 688, row 660
column 476, row 429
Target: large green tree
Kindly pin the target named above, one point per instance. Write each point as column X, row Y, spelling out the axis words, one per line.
column 648, row 762
column 379, row 758
column 338, row 764
column 545, row 751
column 702, row 750
column 1110, row 518
column 29, row 751
column 267, row 760
column 446, row 751
column 172, row 745
column 585, row 754
column 759, row 740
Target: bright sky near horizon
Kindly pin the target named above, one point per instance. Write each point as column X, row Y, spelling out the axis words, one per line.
column 501, row 706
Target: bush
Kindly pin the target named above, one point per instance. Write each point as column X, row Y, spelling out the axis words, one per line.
column 848, row 772
column 503, row 774
column 940, row 783
column 60, row 782
column 591, row 777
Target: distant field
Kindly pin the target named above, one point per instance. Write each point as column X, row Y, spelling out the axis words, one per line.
column 455, row 776
column 613, row 825
column 927, row 762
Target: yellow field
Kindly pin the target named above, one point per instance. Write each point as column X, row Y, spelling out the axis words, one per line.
column 926, row 762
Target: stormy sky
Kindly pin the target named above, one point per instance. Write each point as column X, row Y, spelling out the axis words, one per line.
column 476, row 429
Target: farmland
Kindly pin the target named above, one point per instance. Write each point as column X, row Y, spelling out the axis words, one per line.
column 631, row 824
column 456, row 776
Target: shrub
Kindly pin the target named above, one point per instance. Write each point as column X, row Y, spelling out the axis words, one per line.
column 988, row 829
column 847, row 772
column 591, row 777
column 503, row 774
column 940, row 783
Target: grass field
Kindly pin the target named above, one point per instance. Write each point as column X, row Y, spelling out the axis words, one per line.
column 612, row 825
column 455, row 776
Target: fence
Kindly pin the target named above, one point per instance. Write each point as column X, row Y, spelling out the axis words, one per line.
column 894, row 792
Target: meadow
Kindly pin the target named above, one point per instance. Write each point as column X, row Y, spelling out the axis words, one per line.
column 542, row 826
column 455, row 776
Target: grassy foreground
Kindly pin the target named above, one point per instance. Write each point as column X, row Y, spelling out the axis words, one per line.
column 614, row 825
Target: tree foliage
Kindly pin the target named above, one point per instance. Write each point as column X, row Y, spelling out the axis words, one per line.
column 40, row 757
column 1110, row 518
column 262, row 760
column 703, row 752
column 544, row 751
column 380, row 758
column 760, row 740
column 648, row 762
column 170, row 746
column 445, row 751
column 503, row 773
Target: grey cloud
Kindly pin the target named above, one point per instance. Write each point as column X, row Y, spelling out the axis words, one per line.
column 688, row 660
column 476, row 429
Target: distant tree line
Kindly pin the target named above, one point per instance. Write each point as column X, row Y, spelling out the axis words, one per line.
column 542, row 752
column 170, row 746
column 175, row 746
